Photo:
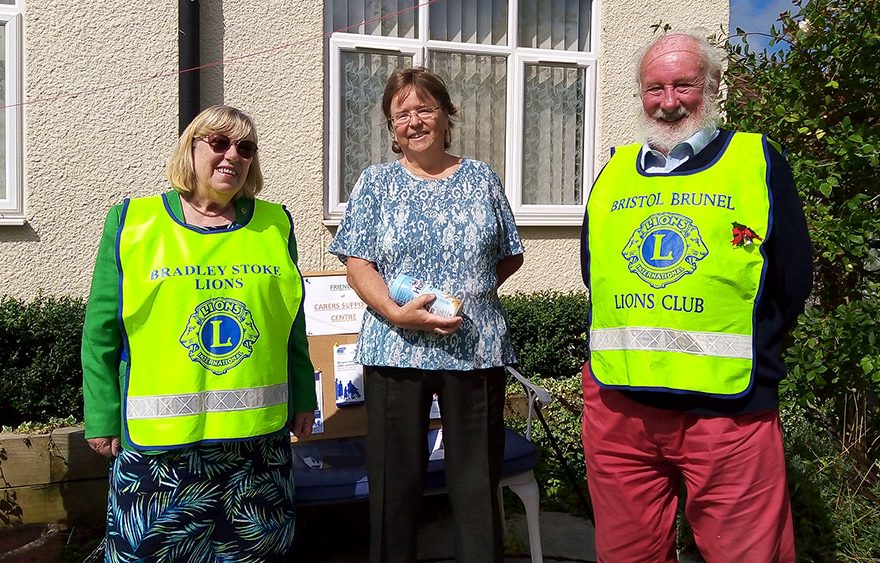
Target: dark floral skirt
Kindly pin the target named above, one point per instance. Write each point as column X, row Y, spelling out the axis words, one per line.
column 219, row 502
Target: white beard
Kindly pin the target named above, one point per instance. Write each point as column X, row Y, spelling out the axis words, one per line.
column 663, row 130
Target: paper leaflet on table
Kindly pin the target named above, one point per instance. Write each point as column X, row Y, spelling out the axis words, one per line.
column 349, row 376
column 318, row 426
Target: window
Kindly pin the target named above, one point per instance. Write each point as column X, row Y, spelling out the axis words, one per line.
column 11, row 189
column 522, row 73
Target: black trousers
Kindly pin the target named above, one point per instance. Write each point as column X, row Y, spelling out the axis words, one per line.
column 472, row 407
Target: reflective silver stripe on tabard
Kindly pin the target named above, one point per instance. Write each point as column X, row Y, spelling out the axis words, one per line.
column 668, row 340
column 160, row 406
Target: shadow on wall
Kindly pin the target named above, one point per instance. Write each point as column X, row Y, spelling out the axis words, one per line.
column 549, row 232
column 211, row 36
column 15, row 233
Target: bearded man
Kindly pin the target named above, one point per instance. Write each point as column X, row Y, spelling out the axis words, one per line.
column 696, row 253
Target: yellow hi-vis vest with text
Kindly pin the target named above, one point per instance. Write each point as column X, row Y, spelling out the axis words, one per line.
column 206, row 316
column 673, row 299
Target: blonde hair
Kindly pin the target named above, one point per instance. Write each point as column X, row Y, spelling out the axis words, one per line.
column 225, row 120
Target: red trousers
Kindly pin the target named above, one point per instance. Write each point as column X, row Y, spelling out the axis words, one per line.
column 733, row 469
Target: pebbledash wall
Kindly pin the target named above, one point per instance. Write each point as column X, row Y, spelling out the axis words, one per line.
column 86, row 152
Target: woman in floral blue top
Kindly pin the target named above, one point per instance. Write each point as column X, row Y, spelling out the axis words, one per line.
column 444, row 220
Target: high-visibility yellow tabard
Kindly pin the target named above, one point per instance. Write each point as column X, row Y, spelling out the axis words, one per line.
column 673, row 289
column 207, row 317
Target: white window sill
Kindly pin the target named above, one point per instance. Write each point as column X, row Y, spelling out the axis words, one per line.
column 12, row 219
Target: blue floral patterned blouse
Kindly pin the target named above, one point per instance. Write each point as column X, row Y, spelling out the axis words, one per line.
column 449, row 233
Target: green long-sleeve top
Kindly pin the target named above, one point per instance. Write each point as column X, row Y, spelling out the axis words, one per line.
column 104, row 369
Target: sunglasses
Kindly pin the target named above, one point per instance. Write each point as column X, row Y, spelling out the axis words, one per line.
column 221, row 143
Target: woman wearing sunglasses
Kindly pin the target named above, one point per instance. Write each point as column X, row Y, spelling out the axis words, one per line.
column 445, row 221
column 195, row 361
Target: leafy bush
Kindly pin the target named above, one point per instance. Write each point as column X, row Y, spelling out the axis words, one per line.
column 835, row 498
column 549, row 332
column 819, row 97
column 835, row 363
column 45, row 427
column 40, row 372
column 41, row 376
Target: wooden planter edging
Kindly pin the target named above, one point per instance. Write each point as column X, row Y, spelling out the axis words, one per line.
column 52, row 478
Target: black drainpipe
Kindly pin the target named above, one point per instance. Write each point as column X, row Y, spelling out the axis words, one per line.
column 188, row 57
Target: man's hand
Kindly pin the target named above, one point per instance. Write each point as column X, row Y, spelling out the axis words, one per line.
column 302, row 424
column 415, row 316
column 107, row 447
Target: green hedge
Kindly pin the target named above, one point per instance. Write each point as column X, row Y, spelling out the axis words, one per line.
column 41, row 376
column 549, row 332
column 40, row 372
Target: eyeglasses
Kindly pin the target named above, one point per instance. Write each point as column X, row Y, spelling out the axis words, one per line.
column 423, row 113
column 221, row 143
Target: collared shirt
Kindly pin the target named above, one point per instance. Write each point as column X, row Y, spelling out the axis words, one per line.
column 653, row 161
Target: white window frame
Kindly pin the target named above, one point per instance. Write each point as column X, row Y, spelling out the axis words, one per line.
column 12, row 205
column 517, row 58
column 339, row 43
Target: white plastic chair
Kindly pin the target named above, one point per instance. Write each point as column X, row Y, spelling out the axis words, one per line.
column 524, row 484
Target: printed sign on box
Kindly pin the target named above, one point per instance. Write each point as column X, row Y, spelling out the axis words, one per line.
column 331, row 306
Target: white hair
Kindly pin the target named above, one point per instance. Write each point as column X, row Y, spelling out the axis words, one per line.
column 681, row 124
column 710, row 55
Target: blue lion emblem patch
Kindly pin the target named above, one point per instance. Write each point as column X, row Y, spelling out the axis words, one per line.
column 664, row 248
column 220, row 334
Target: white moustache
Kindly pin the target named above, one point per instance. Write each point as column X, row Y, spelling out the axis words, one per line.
column 665, row 129
column 671, row 116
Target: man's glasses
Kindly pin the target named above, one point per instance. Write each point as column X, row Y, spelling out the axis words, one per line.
column 423, row 113
column 221, row 143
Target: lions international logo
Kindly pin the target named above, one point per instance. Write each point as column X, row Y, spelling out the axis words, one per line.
column 664, row 248
column 220, row 334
